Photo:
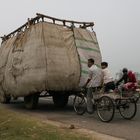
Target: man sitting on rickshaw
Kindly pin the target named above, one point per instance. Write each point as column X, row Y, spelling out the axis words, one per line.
column 129, row 79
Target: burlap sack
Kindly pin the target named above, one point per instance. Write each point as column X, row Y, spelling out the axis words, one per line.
column 46, row 57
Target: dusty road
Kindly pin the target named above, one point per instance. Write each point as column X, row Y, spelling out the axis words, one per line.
column 128, row 129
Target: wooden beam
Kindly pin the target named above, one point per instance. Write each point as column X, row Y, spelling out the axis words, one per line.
column 41, row 16
column 62, row 20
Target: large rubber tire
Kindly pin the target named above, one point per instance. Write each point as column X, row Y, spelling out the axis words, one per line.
column 5, row 99
column 105, row 109
column 127, row 108
column 60, row 100
column 31, row 101
column 79, row 104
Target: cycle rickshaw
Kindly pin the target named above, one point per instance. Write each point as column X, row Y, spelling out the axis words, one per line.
column 106, row 103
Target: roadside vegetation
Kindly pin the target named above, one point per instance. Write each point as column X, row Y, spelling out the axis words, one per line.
column 16, row 126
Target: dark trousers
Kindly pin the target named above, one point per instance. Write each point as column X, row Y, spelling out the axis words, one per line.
column 109, row 86
column 90, row 96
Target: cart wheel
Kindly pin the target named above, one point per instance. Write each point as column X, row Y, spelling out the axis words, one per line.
column 79, row 104
column 31, row 101
column 127, row 108
column 105, row 109
column 60, row 100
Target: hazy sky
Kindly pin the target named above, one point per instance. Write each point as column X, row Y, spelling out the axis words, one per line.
column 117, row 24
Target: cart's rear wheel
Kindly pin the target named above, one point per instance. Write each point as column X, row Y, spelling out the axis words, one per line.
column 60, row 100
column 31, row 101
column 79, row 104
column 127, row 108
column 105, row 109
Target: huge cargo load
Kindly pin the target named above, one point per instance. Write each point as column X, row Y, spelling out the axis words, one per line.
column 46, row 56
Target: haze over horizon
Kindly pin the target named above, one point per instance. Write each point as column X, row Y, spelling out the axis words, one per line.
column 116, row 24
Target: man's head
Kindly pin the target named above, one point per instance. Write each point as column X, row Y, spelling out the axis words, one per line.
column 125, row 70
column 104, row 65
column 90, row 62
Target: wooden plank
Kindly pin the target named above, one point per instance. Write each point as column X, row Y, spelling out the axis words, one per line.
column 63, row 20
column 41, row 16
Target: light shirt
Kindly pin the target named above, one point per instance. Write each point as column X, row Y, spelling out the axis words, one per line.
column 107, row 77
column 95, row 74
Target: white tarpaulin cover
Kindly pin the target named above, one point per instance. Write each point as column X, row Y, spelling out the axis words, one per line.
column 46, row 57
column 87, row 46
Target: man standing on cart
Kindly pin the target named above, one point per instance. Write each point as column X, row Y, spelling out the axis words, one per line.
column 93, row 83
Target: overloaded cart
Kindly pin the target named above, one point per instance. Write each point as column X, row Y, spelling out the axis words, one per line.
column 46, row 57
